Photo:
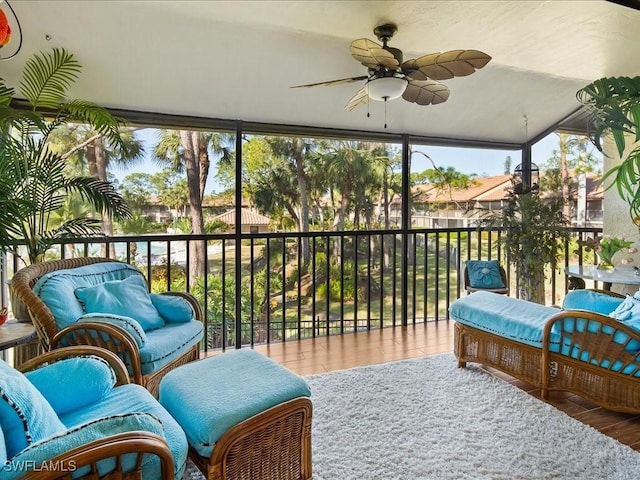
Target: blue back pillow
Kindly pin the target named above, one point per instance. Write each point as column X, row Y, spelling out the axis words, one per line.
column 128, row 297
column 484, row 274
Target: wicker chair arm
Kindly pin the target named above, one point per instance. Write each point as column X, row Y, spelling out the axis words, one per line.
column 108, row 336
column 139, row 442
column 63, row 353
column 192, row 301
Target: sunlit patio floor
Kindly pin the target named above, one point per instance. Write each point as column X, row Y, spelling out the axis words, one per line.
column 326, row 354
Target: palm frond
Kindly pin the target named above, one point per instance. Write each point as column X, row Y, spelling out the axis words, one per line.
column 100, row 194
column 77, row 227
column 98, row 117
column 47, row 78
column 6, row 94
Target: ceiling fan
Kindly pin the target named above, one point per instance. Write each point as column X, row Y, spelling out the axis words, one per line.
column 416, row 80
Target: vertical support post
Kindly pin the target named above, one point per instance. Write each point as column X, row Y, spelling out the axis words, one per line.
column 238, row 234
column 406, row 226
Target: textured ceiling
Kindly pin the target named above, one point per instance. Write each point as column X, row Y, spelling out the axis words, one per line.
column 237, row 59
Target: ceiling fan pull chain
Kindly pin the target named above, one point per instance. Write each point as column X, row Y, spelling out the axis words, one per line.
column 368, row 105
column 385, row 112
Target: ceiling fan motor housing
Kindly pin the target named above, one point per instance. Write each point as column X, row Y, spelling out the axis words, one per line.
column 384, row 34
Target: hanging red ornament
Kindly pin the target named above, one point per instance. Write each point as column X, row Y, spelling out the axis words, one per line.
column 5, row 30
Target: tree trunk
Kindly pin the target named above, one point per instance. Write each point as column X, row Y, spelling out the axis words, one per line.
column 190, row 144
column 203, row 160
column 301, row 177
column 101, row 168
column 531, row 283
column 96, row 161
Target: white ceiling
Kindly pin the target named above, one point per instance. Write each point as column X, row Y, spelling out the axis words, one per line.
column 237, row 59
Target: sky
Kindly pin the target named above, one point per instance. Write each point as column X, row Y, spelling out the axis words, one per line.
column 482, row 162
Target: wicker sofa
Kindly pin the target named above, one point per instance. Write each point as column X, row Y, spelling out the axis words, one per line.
column 578, row 348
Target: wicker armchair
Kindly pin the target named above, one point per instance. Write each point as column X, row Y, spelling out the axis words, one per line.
column 130, row 449
column 143, row 371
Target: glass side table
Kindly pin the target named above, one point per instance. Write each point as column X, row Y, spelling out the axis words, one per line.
column 15, row 334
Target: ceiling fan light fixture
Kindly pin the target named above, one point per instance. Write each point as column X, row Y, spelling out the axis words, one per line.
column 385, row 88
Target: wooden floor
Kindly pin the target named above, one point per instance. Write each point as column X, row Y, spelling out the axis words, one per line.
column 327, row 354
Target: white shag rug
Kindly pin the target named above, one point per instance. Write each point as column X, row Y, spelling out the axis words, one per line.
column 427, row 419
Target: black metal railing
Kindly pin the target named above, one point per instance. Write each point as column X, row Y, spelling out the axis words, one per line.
column 286, row 286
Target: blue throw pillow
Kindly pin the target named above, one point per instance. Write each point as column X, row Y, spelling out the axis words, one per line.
column 128, row 298
column 25, row 415
column 628, row 312
column 591, row 301
column 484, row 274
column 73, row 383
column 172, row 308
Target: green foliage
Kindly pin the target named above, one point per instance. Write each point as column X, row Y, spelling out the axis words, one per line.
column 336, row 281
column 615, row 106
column 35, row 182
column 184, row 225
column 139, row 224
column 535, row 231
column 534, row 228
column 216, row 226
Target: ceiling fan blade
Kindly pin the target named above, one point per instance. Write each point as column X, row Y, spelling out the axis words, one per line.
column 333, row 82
column 360, row 98
column 441, row 66
column 372, row 55
column 426, row 92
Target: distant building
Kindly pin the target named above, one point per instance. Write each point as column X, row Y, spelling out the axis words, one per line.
column 434, row 208
column 252, row 221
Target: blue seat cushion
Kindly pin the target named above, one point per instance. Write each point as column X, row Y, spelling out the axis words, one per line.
column 57, row 289
column 166, row 344
column 507, row 317
column 135, row 399
column 79, row 436
column 210, row 396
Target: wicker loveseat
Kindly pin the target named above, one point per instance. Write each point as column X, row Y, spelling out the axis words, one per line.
column 102, row 302
column 579, row 348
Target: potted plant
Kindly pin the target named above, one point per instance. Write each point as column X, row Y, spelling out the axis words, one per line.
column 33, row 180
column 614, row 103
column 606, row 247
column 534, row 234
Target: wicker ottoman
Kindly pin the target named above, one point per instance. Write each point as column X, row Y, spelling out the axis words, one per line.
column 245, row 416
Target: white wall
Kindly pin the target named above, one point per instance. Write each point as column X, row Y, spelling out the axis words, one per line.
column 617, row 220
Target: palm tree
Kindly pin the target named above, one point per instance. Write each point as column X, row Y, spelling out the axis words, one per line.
column 89, row 149
column 36, row 178
column 189, row 151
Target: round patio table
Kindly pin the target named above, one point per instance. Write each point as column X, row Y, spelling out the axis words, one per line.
column 620, row 275
column 14, row 334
